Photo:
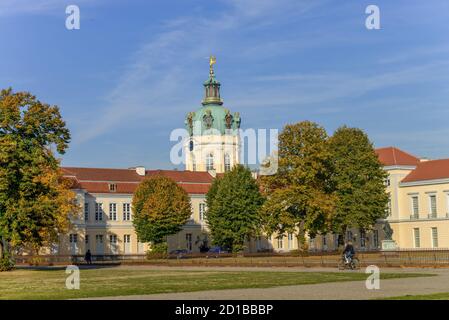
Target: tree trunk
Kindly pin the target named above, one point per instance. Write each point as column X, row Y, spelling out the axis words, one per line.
column 3, row 248
column 301, row 236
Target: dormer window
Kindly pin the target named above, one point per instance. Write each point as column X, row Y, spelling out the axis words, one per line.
column 112, row 187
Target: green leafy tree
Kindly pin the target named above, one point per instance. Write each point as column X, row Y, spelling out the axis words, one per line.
column 35, row 201
column 161, row 207
column 234, row 203
column 358, row 181
column 299, row 195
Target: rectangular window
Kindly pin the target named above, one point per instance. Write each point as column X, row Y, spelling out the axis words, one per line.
column 417, row 238
column 376, row 238
column 86, row 211
column 324, row 240
column 86, row 239
column 362, row 239
column 290, row 240
column 202, row 211
column 389, row 205
column 189, row 241
column 349, row 236
column 127, row 238
column 126, row 212
column 98, row 211
column 112, row 187
column 113, row 211
column 433, row 206
column 210, row 162
column 415, row 207
column 281, row 242
column 434, row 238
column 113, row 238
column 447, row 205
column 227, row 162
column 73, row 238
column 339, row 240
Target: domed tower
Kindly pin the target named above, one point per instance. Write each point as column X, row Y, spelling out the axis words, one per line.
column 214, row 143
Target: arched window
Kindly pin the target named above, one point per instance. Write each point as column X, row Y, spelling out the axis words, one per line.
column 210, row 162
column 227, row 162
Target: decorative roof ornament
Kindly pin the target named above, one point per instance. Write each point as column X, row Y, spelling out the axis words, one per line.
column 212, row 86
column 189, row 122
column 212, row 61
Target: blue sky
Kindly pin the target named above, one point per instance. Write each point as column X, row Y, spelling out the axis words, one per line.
column 127, row 78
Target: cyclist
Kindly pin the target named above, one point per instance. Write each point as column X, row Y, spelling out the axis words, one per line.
column 349, row 252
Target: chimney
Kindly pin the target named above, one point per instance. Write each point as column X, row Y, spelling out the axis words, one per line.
column 213, row 173
column 140, row 170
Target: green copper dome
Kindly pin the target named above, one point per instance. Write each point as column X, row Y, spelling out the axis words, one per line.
column 212, row 116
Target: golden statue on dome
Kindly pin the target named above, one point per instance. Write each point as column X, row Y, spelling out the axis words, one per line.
column 212, row 61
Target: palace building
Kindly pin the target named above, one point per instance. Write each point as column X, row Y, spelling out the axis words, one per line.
column 418, row 189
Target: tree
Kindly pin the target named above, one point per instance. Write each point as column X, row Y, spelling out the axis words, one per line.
column 233, row 203
column 358, row 181
column 161, row 207
column 35, row 200
column 299, row 195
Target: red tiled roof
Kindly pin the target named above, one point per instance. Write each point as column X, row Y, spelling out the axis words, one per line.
column 101, row 174
column 392, row 156
column 97, row 180
column 183, row 176
column 429, row 170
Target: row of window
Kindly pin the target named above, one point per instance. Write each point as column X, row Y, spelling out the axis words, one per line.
column 417, row 237
column 126, row 211
column 432, row 206
column 280, row 241
column 99, row 212
column 73, row 238
column 363, row 239
column 210, row 162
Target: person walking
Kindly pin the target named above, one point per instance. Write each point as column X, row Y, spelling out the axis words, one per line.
column 88, row 257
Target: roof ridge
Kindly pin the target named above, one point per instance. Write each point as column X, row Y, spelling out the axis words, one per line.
column 394, row 155
column 407, row 153
column 96, row 168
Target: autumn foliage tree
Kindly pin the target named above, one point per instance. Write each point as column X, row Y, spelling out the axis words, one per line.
column 35, row 200
column 299, row 196
column 161, row 207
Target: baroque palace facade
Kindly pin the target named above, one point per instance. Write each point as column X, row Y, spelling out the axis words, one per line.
column 418, row 188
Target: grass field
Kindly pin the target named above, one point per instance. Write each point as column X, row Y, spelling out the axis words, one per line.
column 50, row 284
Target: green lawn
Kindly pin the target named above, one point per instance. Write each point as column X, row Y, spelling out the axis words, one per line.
column 50, row 284
column 433, row 296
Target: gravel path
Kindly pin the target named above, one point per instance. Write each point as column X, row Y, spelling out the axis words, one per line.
column 330, row 291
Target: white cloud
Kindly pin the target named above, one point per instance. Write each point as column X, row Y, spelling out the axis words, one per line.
column 148, row 86
column 306, row 89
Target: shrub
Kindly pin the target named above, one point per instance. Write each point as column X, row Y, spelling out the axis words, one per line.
column 6, row 264
column 35, row 261
column 158, row 251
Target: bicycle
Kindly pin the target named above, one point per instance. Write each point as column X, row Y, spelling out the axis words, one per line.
column 354, row 264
